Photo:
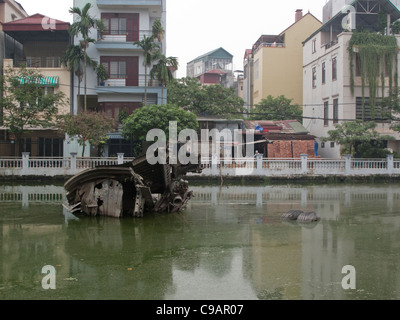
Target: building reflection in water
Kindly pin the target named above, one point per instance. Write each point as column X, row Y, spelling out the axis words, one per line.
column 230, row 243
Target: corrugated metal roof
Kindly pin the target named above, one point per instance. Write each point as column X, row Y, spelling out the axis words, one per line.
column 219, row 53
column 297, row 127
column 281, row 126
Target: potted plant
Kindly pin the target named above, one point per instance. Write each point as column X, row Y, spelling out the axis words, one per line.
column 101, row 72
column 158, row 30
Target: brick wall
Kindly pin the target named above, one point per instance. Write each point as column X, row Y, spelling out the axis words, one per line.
column 283, row 149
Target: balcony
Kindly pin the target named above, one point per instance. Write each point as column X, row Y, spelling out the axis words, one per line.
column 38, row 62
column 120, row 84
column 120, row 80
column 121, row 39
column 118, row 4
column 331, row 44
column 270, row 45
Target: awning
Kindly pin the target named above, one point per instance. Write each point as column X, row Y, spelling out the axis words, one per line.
column 43, row 81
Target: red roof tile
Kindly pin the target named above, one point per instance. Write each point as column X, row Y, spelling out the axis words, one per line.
column 36, row 22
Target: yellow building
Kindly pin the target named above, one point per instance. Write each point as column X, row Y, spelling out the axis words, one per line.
column 274, row 65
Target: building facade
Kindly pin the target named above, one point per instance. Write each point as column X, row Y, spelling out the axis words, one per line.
column 328, row 97
column 214, row 67
column 124, row 91
column 10, row 10
column 274, row 64
column 38, row 42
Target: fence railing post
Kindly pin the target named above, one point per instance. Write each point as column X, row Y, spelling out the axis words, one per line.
column 120, row 158
column 390, row 164
column 259, row 160
column 304, row 163
column 73, row 161
column 25, row 160
column 347, row 165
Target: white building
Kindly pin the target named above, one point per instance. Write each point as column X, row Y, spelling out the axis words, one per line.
column 125, row 22
column 327, row 94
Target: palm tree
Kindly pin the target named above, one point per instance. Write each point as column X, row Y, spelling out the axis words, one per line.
column 73, row 59
column 82, row 26
column 150, row 49
column 162, row 70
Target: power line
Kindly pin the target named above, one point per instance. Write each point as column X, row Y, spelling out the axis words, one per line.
column 108, row 90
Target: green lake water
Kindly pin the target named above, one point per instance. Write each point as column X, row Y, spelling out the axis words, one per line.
column 229, row 244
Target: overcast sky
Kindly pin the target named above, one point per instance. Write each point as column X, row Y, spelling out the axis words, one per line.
column 195, row 27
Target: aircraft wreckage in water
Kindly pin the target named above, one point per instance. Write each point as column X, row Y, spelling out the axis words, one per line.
column 130, row 189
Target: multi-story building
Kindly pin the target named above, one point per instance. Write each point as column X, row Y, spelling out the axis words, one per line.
column 125, row 23
column 328, row 96
column 274, row 64
column 10, row 10
column 214, row 67
column 38, row 42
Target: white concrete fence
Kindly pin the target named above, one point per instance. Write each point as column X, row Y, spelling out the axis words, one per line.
column 259, row 166
column 300, row 167
column 52, row 167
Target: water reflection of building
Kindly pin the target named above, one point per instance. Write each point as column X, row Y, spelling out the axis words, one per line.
column 228, row 232
column 297, row 262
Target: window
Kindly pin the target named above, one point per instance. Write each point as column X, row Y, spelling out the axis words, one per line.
column 358, row 65
column 314, row 77
column 335, row 110
column 334, row 68
column 323, row 72
column 123, row 68
column 332, row 144
column 199, row 70
column 25, row 145
column 323, row 145
column 314, row 46
column 380, row 114
column 121, row 24
column 50, row 147
column 114, row 26
column 326, row 113
column 53, row 62
column 115, row 69
column 48, row 90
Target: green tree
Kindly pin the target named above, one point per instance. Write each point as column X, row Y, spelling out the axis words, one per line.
column 150, row 52
column 25, row 104
column 92, row 127
column 354, row 136
column 73, row 58
column 162, row 70
column 136, row 126
column 186, row 93
column 83, row 25
column 280, row 108
column 212, row 100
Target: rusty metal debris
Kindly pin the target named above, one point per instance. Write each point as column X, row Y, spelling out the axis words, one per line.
column 130, row 189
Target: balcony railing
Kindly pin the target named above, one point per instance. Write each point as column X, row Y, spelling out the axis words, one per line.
column 128, row 3
column 39, row 62
column 331, row 44
column 121, row 80
column 121, row 35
